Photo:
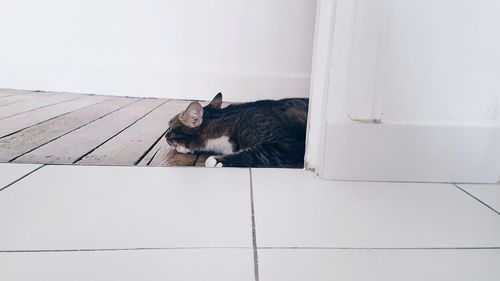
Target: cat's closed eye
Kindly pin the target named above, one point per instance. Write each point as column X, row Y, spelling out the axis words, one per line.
column 177, row 137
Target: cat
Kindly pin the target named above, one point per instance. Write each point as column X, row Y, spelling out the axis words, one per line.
column 265, row 133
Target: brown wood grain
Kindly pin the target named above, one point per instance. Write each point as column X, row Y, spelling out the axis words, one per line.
column 33, row 137
column 35, row 103
column 71, row 147
column 24, row 120
column 130, row 145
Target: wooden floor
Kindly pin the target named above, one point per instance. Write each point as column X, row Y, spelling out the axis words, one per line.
column 68, row 128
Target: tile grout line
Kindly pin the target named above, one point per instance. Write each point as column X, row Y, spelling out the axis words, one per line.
column 254, row 231
column 31, row 172
column 208, row 248
column 117, row 249
column 103, row 165
column 90, row 122
column 379, row 248
column 400, row 181
column 121, row 131
column 491, row 208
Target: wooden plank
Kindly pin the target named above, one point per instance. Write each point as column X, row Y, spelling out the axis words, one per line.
column 21, row 121
column 7, row 101
column 16, row 91
column 167, row 156
column 176, row 107
column 26, row 140
column 6, row 94
column 36, row 103
column 130, row 145
column 162, row 154
column 11, row 92
column 71, row 147
column 148, row 158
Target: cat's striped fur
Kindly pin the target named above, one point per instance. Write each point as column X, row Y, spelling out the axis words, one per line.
column 266, row 133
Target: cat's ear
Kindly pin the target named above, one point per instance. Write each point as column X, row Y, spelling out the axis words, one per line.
column 193, row 115
column 216, row 101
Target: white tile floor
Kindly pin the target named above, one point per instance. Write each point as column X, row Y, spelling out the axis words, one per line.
column 293, row 209
column 487, row 193
column 67, row 207
column 9, row 173
column 132, row 223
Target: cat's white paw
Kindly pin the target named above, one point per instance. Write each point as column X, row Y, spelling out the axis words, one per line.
column 211, row 162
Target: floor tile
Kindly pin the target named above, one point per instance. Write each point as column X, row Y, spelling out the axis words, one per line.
column 387, row 265
column 487, row 193
column 293, row 209
column 81, row 207
column 172, row 265
column 11, row 172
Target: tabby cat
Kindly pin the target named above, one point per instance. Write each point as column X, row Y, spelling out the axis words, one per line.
column 266, row 133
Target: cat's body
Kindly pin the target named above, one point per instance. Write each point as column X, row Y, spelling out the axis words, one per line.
column 267, row 133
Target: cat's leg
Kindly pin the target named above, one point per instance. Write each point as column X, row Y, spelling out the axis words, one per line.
column 271, row 154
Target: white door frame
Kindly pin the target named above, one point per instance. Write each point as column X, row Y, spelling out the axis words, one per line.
column 343, row 146
column 321, row 65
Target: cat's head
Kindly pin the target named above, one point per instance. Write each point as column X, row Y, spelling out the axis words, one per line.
column 186, row 129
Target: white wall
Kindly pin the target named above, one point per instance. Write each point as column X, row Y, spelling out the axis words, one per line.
column 248, row 49
column 428, row 72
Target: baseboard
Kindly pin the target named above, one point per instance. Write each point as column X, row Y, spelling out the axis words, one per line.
column 412, row 152
column 174, row 84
